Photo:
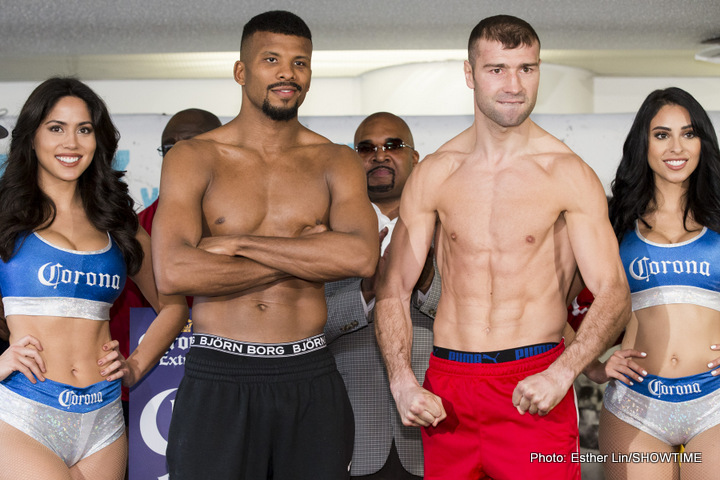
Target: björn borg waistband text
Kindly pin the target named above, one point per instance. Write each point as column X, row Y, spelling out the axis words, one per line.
column 498, row 356
column 263, row 350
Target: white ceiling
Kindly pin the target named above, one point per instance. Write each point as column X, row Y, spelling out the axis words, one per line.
column 117, row 39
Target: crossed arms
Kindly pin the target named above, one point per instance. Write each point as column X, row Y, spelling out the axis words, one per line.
column 187, row 264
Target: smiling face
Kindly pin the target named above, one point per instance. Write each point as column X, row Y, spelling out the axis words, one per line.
column 64, row 143
column 505, row 81
column 673, row 147
column 275, row 71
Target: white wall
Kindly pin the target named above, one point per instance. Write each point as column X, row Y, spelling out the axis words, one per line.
column 591, row 114
column 622, row 94
column 427, row 89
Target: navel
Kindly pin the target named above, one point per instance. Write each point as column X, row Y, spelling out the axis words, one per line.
column 262, row 307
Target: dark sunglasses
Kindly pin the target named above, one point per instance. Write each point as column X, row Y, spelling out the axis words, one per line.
column 390, row 146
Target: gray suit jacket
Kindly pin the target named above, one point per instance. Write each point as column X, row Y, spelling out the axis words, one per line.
column 351, row 338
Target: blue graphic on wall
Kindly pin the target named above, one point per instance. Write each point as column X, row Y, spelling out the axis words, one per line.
column 149, row 196
column 121, row 160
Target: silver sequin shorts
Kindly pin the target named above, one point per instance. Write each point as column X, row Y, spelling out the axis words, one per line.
column 72, row 422
column 673, row 410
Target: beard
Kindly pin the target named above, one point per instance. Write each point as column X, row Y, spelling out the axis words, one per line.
column 381, row 188
column 375, row 189
column 281, row 114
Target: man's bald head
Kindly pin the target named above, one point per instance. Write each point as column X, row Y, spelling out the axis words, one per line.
column 399, row 123
column 188, row 124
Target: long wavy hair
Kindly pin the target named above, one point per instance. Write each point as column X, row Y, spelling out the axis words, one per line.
column 633, row 189
column 24, row 206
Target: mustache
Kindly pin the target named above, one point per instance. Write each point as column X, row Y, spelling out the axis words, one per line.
column 285, row 84
column 381, row 167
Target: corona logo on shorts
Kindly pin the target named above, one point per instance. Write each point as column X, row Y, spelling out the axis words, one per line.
column 658, row 388
column 156, row 412
column 68, row 398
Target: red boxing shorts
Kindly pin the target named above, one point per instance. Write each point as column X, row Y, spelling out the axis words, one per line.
column 484, row 436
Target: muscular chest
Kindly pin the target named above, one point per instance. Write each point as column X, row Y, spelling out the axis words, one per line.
column 508, row 210
column 260, row 196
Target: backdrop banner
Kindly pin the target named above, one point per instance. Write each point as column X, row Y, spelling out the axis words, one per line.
column 151, row 401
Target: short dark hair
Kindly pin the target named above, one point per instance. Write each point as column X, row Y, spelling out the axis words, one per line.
column 511, row 31
column 276, row 21
column 634, row 185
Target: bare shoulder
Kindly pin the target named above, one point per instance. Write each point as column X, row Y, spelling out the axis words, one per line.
column 342, row 166
column 575, row 182
column 576, row 176
column 426, row 185
column 460, row 145
column 321, row 148
column 447, row 159
column 335, row 153
column 331, row 157
column 559, row 160
column 437, row 167
column 197, row 155
column 310, row 138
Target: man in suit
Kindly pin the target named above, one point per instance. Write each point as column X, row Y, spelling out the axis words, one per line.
column 384, row 448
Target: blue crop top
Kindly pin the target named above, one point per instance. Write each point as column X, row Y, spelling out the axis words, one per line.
column 660, row 274
column 42, row 279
